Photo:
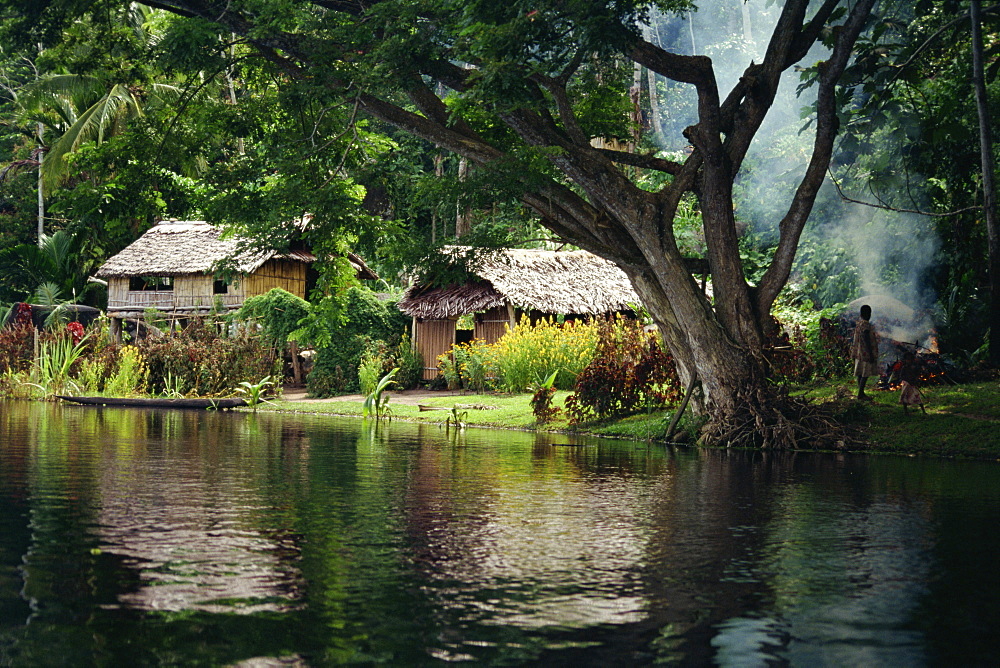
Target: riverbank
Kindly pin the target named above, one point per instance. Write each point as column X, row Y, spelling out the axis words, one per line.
column 961, row 420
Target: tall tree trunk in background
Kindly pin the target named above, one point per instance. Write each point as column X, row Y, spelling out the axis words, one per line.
column 463, row 217
column 654, row 96
column 41, row 187
column 989, row 185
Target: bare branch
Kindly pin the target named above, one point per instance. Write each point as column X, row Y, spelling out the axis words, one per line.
column 897, row 209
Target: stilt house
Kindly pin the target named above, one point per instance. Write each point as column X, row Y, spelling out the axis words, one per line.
column 172, row 268
column 504, row 286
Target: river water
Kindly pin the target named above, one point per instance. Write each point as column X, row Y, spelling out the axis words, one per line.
column 146, row 537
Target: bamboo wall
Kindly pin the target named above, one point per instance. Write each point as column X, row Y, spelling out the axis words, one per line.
column 492, row 324
column 432, row 338
column 195, row 293
column 284, row 274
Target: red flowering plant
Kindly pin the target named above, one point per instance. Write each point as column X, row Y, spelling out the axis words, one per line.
column 75, row 330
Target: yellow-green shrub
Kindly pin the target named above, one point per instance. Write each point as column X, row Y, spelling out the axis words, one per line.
column 528, row 354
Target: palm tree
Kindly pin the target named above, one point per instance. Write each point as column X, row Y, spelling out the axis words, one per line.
column 79, row 109
column 55, row 271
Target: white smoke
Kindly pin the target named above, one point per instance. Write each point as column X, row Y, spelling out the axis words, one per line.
column 893, row 252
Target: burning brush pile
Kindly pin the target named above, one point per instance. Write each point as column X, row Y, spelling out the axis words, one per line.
column 903, row 334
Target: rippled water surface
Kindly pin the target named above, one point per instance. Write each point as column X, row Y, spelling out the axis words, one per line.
column 140, row 537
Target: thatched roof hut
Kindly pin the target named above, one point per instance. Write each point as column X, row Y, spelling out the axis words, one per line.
column 550, row 282
column 507, row 284
column 179, row 248
column 171, row 268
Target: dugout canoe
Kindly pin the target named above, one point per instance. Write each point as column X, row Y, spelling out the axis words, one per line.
column 157, row 402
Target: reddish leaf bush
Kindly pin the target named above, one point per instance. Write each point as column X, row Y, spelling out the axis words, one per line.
column 16, row 347
column 541, row 404
column 205, row 363
column 629, row 372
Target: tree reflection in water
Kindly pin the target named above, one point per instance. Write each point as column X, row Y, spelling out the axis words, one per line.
column 135, row 536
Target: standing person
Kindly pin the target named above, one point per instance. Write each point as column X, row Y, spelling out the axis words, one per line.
column 864, row 351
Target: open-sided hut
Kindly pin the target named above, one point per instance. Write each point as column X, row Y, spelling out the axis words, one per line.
column 171, row 268
column 507, row 285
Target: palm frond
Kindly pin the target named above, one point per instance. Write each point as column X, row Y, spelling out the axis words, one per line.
column 103, row 118
column 47, row 294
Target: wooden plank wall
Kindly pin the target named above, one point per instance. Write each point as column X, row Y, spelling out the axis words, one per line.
column 433, row 338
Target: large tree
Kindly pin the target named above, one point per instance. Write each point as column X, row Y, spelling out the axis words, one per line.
column 512, row 86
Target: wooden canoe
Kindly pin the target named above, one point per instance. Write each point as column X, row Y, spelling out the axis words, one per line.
column 157, row 402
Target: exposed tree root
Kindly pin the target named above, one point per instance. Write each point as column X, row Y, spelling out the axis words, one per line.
column 768, row 418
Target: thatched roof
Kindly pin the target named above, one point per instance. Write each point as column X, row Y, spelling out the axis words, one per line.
column 175, row 248
column 564, row 282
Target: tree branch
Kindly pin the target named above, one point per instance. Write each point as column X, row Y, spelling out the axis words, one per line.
column 643, row 160
column 887, row 207
column 791, row 226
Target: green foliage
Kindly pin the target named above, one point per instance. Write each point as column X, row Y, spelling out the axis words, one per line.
column 376, row 402
column 528, row 354
column 827, row 273
column 51, row 371
column 541, row 400
column 255, row 392
column 129, row 376
column 276, row 315
column 523, row 357
column 363, row 322
column 470, row 366
column 55, row 271
column 204, row 362
column 629, row 372
column 370, row 370
column 811, row 345
column 410, row 363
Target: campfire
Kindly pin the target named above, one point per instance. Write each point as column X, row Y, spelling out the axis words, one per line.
column 901, row 330
column 931, row 368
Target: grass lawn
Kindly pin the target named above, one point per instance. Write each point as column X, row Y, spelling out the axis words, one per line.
column 503, row 411
column 961, row 420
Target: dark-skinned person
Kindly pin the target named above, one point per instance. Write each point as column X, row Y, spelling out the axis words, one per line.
column 864, row 351
column 909, row 395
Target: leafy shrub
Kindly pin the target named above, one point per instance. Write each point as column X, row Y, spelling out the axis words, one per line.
column 370, row 371
column 365, row 320
column 410, row 363
column 629, row 372
column 523, row 357
column 469, row 366
column 16, row 347
column 276, row 315
column 528, row 354
column 541, row 401
column 203, row 362
column 812, row 345
column 129, row 375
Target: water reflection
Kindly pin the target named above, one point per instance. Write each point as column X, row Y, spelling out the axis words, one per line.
column 194, row 541
column 221, row 538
